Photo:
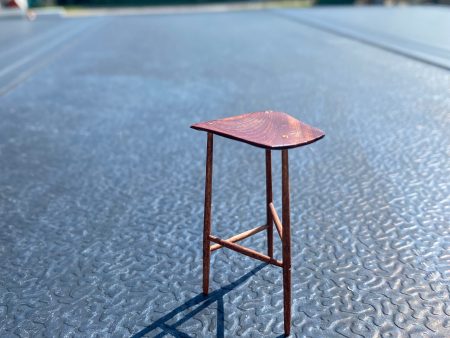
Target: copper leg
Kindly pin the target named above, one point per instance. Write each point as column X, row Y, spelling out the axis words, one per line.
column 286, row 242
column 207, row 213
column 269, row 199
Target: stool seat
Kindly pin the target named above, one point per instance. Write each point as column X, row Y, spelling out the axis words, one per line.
column 267, row 129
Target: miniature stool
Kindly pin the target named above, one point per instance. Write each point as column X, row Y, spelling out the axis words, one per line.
column 271, row 131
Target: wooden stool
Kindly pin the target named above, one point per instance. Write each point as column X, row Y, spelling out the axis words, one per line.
column 271, row 131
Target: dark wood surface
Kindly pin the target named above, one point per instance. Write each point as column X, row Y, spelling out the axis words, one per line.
column 207, row 212
column 245, row 251
column 284, row 229
column 286, row 233
column 276, row 220
column 269, row 198
column 268, row 129
column 239, row 237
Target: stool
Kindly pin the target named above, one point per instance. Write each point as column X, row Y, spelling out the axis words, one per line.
column 272, row 131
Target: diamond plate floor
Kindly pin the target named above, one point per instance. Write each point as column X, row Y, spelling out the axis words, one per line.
column 101, row 181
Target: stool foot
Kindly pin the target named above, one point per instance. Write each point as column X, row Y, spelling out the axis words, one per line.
column 287, row 301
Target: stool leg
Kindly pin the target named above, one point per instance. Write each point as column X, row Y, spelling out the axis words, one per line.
column 207, row 213
column 269, row 200
column 286, row 242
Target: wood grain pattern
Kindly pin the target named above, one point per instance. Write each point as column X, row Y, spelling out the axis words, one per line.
column 268, row 129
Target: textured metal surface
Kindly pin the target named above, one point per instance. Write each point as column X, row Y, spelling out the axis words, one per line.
column 403, row 30
column 268, row 129
column 101, row 185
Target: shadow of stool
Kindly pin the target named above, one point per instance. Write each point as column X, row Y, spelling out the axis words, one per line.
column 198, row 304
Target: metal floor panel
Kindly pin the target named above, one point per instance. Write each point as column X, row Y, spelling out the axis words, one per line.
column 101, row 216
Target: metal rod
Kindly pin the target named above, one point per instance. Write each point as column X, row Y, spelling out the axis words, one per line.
column 276, row 220
column 241, row 236
column 245, row 251
column 286, row 241
column 269, row 199
column 207, row 213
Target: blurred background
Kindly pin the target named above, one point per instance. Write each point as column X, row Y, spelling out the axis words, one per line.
column 35, row 3
column 108, row 3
